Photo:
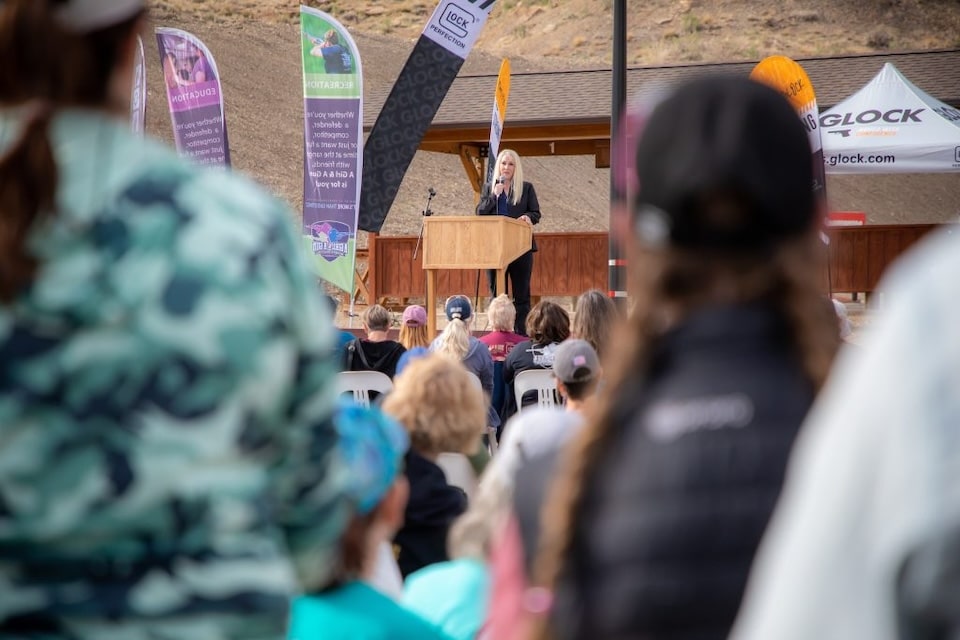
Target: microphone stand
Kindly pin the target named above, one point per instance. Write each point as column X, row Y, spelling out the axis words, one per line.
column 426, row 212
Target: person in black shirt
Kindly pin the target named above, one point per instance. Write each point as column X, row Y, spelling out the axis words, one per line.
column 377, row 352
column 510, row 196
column 667, row 491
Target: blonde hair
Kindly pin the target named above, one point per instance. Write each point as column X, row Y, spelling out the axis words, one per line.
column 454, row 340
column 440, row 406
column 376, row 318
column 411, row 337
column 668, row 286
column 502, row 313
column 472, row 534
column 595, row 319
column 516, row 185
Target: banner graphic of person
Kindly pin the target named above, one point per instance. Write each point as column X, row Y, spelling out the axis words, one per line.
column 195, row 98
column 138, row 95
column 789, row 78
column 416, row 95
column 332, row 134
column 500, row 97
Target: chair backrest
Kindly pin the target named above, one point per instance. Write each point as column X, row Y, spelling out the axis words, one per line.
column 459, row 472
column 540, row 380
column 493, row 445
column 361, row 383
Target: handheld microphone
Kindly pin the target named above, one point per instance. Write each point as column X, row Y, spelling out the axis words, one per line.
column 501, row 180
column 431, row 192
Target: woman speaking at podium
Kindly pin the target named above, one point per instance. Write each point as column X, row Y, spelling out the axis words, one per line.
column 510, row 196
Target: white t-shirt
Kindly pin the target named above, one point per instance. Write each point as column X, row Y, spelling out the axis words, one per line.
column 531, row 433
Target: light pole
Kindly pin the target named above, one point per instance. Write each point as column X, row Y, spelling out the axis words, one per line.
column 617, row 278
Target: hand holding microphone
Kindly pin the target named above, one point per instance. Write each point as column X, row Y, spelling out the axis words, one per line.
column 499, row 185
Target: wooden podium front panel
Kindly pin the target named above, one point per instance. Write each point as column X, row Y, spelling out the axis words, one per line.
column 474, row 242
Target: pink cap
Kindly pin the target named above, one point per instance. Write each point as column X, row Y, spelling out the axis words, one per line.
column 415, row 316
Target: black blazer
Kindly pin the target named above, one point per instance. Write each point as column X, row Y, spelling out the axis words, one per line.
column 528, row 206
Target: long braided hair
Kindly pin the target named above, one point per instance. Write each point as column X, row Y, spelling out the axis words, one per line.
column 669, row 284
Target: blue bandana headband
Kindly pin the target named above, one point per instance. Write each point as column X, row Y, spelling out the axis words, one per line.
column 372, row 445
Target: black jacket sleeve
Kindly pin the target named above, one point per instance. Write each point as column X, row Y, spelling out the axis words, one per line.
column 533, row 205
column 487, row 205
column 528, row 204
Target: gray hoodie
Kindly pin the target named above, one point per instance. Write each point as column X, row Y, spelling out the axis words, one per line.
column 479, row 362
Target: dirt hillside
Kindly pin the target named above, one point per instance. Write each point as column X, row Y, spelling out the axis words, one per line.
column 255, row 43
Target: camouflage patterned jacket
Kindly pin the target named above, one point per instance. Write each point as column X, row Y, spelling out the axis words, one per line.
column 166, row 454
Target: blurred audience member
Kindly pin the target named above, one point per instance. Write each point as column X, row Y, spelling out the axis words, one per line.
column 502, row 314
column 665, row 495
column 595, row 319
column 455, row 595
column 167, row 455
column 545, row 430
column 548, row 324
column 413, row 327
column 865, row 542
column 526, row 463
column 409, row 356
column 457, row 343
column 501, row 341
column 372, row 446
column 443, row 410
column 376, row 352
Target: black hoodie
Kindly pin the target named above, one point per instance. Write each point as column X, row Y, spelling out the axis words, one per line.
column 364, row 355
column 432, row 508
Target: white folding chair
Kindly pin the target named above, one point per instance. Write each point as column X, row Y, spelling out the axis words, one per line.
column 492, row 445
column 361, row 383
column 540, row 380
column 458, row 471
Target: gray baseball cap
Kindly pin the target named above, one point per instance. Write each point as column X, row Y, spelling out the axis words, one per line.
column 575, row 361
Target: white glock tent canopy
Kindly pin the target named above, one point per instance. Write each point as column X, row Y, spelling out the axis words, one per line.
column 891, row 126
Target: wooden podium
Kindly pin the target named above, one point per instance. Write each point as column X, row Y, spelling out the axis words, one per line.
column 470, row 242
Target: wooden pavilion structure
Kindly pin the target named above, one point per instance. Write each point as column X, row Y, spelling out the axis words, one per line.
column 568, row 113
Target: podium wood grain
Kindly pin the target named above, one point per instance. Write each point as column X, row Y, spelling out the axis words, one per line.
column 470, row 242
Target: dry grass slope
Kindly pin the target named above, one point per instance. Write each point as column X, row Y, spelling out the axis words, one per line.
column 255, row 44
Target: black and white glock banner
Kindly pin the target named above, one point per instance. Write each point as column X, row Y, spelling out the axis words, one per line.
column 420, row 88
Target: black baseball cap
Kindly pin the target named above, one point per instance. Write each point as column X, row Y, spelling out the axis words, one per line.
column 723, row 163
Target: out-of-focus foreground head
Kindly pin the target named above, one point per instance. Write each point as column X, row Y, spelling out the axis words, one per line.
column 62, row 51
column 723, row 163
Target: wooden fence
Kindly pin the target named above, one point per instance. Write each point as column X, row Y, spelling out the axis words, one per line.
column 860, row 255
column 568, row 264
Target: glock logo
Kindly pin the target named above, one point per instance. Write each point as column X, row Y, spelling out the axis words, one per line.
column 457, row 19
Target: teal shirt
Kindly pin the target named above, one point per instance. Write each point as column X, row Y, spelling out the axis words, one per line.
column 462, row 608
column 356, row 611
column 166, row 387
